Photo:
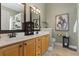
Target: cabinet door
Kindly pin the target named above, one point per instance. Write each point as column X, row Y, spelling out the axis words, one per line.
column 38, row 46
column 13, row 50
column 43, row 44
column 29, row 47
column 1, row 54
column 32, row 48
column 26, row 48
column 46, row 42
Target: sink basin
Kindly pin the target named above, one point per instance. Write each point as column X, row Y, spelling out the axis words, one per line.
column 37, row 32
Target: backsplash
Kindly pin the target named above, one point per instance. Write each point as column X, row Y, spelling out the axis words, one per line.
column 4, row 36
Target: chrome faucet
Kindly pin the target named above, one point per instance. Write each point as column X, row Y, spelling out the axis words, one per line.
column 12, row 35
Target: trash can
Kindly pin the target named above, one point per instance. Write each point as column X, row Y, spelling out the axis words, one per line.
column 65, row 41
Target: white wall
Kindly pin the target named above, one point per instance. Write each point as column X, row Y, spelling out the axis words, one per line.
column 59, row 8
column 40, row 6
column 78, row 26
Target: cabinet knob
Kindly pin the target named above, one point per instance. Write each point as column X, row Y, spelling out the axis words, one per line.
column 25, row 43
column 20, row 45
column 38, row 39
column 38, row 54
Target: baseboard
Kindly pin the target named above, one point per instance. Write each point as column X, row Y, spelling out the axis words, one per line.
column 70, row 46
column 58, row 43
column 73, row 47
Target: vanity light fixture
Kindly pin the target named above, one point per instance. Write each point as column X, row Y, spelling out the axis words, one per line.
column 35, row 10
column 39, row 11
column 33, row 7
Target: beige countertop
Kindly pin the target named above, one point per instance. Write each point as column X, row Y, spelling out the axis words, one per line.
column 19, row 38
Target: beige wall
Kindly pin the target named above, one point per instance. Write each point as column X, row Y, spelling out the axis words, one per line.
column 59, row 8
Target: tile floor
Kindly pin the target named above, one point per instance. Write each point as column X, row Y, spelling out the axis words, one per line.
column 60, row 51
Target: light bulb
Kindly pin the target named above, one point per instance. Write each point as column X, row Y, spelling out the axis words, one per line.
column 33, row 7
column 39, row 11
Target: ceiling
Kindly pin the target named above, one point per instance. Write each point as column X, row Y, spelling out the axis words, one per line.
column 14, row 6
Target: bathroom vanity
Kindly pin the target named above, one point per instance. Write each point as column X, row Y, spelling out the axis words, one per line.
column 13, row 21
column 32, row 45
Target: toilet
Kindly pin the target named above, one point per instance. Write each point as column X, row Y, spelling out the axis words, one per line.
column 52, row 45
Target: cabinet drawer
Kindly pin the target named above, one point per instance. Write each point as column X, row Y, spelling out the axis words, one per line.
column 27, row 42
column 38, row 52
column 12, row 50
column 38, row 42
column 38, row 39
column 30, row 41
column 38, row 47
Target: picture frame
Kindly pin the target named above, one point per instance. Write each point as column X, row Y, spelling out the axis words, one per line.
column 35, row 18
column 62, row 22
column 36, row 24
column 23, row 24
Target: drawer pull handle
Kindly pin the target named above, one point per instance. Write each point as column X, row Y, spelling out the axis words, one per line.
column 25, row 43
column 20, row 45
column 38, row 40
column 38, row 46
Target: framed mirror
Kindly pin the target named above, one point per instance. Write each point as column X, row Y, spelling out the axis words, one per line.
column 12, row 17
column 35, row 17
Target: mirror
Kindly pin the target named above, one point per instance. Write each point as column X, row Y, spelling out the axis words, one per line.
column 35, row 17
column 12, row 16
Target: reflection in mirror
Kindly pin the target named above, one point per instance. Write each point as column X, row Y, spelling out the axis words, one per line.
column 35, row 17
column 12, row 16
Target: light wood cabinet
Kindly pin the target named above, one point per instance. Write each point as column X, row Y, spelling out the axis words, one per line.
column 38, row 46
column 32, row 47
column 13, row 50
column 1, row 54
column 29, row 48
column 45, row 43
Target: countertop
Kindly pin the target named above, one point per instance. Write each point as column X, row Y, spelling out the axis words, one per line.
column 17, row 39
